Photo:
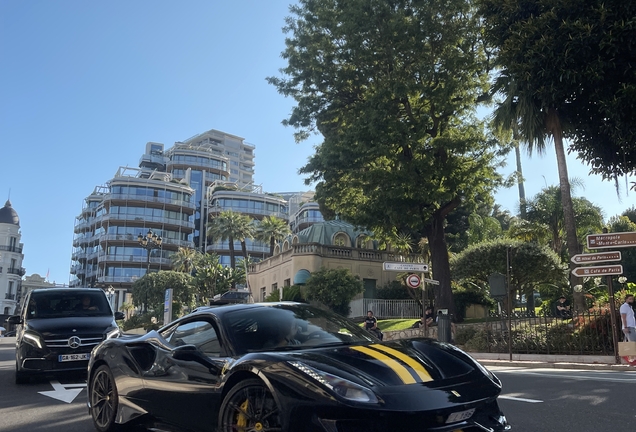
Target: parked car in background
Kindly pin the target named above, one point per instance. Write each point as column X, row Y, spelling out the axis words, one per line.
column 231, row 297
column 58, row 328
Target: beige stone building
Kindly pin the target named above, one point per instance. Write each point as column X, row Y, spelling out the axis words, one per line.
column 330, row 244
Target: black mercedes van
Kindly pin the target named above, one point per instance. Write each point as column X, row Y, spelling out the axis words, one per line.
column 58, row 328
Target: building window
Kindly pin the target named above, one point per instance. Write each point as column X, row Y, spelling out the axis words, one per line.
column 10, row 291
column 6, row 311
column 13, row 243
column 275, row 288
column 13, row 263
column 287, row 282
column 263, row 294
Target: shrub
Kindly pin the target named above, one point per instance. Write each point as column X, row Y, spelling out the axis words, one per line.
column 465, row 334
column 393, row 290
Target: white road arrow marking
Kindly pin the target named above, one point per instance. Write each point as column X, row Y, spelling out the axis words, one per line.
column 520, row 399
column 61, row 393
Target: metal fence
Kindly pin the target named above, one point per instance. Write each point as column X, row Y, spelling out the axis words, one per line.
column 385, row 308
column 581, row 333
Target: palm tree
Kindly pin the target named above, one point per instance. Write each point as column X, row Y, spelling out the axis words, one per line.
column 521, row 114
column 230, row 226
column 272, row 229
column 184, row 260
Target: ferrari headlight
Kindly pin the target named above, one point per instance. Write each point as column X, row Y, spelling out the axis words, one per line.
column 113, row 333
column 33, row 339
column 342, row 387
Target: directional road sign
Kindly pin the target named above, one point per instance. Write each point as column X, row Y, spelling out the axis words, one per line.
column 405, row 267
column 431, row 281
column 606, row 270
column 596, row 257
column 611, row 240
column 413, row 281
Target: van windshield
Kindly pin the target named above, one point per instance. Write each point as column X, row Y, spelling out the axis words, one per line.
column 65, row 304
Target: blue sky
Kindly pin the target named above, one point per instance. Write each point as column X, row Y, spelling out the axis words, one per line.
column 84, row 85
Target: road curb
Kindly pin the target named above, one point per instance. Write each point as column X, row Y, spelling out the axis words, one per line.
column 557, row 365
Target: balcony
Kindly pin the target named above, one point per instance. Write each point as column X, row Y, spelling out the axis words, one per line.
column 117, row 279
column 211, row 165
column 144, row 219
column 134, row 259
column 8, row 296
column 150, row 199
column 237, row 248
column 250, row 211
column 133, row 239
column 20, row 271
column 16, row 249
column 82, row 226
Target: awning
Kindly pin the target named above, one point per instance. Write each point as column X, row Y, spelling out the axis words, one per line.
column 301, row 277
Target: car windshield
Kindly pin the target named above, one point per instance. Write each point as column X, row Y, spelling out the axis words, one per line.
column 65, row 304
column 289, row 327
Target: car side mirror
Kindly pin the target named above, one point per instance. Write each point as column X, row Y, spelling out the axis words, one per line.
column 119, row 316
column 15, row 319
column 192, row 353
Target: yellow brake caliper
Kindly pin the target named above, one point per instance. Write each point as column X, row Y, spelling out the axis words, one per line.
column 241, row 419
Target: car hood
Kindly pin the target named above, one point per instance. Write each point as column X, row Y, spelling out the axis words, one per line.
column 71, row 325
column 400, row 372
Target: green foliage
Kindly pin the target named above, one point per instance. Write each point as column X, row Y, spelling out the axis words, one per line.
column 394, row 290
column 483, row 228
column 272, row 229
column 464, row 334
column 292, row 293
column 274, row 296
column 401, row 147
column 465, row 297
column 231, row 226
column 335, row 288
column 624, row 224
column 141, row 320
column 212, row 278
column 149, row 292
column 555, row 50
column 185, row 259
column 531, row 264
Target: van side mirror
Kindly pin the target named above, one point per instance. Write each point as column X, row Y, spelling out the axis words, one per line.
column 119, row 316
column 15, row 319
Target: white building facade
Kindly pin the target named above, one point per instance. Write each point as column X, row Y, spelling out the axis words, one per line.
column 11, row 270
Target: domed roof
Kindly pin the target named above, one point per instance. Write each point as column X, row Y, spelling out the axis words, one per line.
column 8, row 215
column 323, row 232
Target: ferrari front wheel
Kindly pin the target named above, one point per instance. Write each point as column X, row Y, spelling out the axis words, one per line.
column 250, row 406
column 104, row 400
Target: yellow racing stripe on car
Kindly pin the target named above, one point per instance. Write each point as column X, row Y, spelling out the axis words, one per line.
column 400, row 370
column 417, row 367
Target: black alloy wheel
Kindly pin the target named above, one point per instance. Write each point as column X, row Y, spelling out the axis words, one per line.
column 250, row 407
column 104, row 400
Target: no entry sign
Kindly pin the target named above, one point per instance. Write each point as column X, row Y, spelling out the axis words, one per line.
column 413, row 281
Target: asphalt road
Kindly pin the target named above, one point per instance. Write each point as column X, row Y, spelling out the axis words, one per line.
column 534, row 400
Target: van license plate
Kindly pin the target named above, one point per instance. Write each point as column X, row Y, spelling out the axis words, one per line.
column 73, row 357
column 460, row 416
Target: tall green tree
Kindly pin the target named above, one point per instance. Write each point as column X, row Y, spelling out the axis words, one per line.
column 272, row 229
column 567, row 70
column 231, row 226
column 391, row 87
column 212, row 278
column 185, row 259
column 335, row 288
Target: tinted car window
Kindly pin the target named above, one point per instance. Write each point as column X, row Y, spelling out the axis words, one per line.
column 289, row 327
column 198, row 333
column 65, row 304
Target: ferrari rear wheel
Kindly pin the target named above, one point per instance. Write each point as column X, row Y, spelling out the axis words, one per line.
column 249, row 407
column 104, row 400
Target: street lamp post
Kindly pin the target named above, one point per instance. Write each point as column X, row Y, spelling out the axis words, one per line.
column 111, row 295
column 149, row 242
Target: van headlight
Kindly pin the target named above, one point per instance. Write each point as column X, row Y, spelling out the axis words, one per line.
column 33, row 339
column 342, row 387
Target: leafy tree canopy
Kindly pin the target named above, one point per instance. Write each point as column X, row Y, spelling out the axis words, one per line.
column 335, row 288
column 530, row 264
column 149, row 292
column 576, row 58
column 392, row 87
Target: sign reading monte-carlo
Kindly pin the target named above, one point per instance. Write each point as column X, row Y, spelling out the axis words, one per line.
column 611, row 240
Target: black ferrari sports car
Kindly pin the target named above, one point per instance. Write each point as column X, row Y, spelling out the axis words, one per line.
column 286, row 367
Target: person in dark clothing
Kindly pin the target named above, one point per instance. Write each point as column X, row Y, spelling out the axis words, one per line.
column 371, row 324
column 426, row 320
column 563, row 308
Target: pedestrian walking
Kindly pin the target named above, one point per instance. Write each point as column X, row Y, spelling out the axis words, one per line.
column 628, row 319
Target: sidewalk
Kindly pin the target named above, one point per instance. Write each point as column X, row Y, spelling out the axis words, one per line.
column 539, row 361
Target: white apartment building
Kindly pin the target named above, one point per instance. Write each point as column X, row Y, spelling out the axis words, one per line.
column 11, row 270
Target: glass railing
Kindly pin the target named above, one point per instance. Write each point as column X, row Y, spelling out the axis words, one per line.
column 117, row 279
column 158, row 219
column 16, row 249
column 207, row 164
column 134, row 259
column 145, row 198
